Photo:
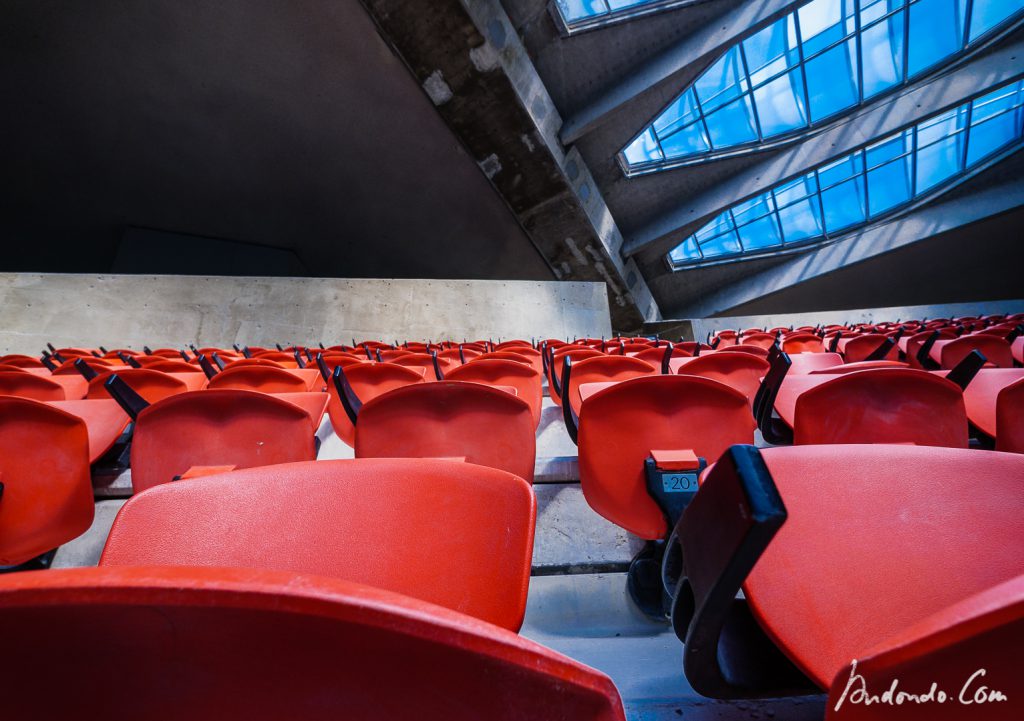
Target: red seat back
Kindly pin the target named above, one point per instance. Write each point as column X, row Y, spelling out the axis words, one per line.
column 622, row 424
column 450, row 419
column 603, row 369
column 30, row 385
column 217, row 428
column 262, row 378
column 1010, row 418
column 511, row 373
column 44, row 468
column 371, row 521
column 885, row 405
column 368, row 380
column 150, row 384
column 574, row 353
column 996, row 350
column 802, row 343
column 858, row 348
column 741, row 371
column 810, row 362
column 211, row 644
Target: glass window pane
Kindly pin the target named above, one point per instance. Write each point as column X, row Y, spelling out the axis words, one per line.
column 986, row 14
column 577, row 9
column 688, row 141
column 938, row 162
column 722, row 82
column 874, row 9
column 889, row 185
column 888, row 149
column 841, row 169
column 882, row 50
column 989, row 135
column 682, row 111
column 795, row 190
column 780, row 104
column 821, row 24
column 762, row 233
column 685, row 251
column 801, row 220
column 751, row 209
column 832, row 81
column 936, row 32
column 722, row 223
column 722, row 245
column 733, row 124
column 643, row 150
column 843, row 204
column 772, row 50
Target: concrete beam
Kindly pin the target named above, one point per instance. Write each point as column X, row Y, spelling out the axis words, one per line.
column 473, row 66
column 913, row 227
column 872, row 122
column 699, row 49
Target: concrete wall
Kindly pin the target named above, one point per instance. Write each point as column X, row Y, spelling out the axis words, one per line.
column 701, row 326
column 132, row 310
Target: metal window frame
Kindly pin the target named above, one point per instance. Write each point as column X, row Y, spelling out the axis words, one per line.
column 567, row 28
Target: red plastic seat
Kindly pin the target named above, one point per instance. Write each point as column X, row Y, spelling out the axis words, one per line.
column 258, row 378
column 753, row 350
column 809, row 362
column 981, row 394
column 574, row 353
column 47, row 488
column 888, row 405
column 368, row 380
column 802, row 343
column 450, row 419
column 887, row 512
column 236, row 428
column 30, row 385
column 150, row 384
column 741, row 371
column 622, row 424
column 601, row 369
column 859, row 554
column 859, row 347
column 21, row 361
column 511, row 373
column 165, row 365
column 351, row 520
column 1010, row 418
column 947, row 353
column 761, row 340
column 213, row 644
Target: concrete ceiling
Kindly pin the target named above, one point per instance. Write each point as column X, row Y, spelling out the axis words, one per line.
column 284, row 124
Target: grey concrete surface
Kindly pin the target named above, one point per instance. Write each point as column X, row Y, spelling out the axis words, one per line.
column 176, row 310
column 590, row 618
column 86, row 549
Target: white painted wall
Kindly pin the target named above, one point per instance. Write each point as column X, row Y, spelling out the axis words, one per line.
column 132, row 310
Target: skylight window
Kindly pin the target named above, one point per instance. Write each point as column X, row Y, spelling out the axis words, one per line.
column 859, row 188
column 822, row 60
column 575, row 15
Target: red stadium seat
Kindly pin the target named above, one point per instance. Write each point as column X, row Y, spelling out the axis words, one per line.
column 810, row 362
column 741, row 371
column 341, row 519
column 946, row 354
column 449, row 419
column 30, row 385
column 1010, row 418
column 265, row 379
column 802, row 343
column 860, row 347
column 620, row 426
column 45, row 485
column 602, row 369
column 494, row 372
column 889, row 405
column 212, row 644
column 815, row 536
column 150, row 384
column 556, row 360
column 368, row 381
column 243, row 429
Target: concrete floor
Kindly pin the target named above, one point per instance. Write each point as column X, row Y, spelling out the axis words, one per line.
column 577, row 602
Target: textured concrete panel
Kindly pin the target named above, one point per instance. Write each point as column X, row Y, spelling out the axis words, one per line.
column 127, row 310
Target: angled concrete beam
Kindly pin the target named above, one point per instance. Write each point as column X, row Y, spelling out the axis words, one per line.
column 700, row 49
column 875, row 121
column 926, row 222
column 471, row 63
